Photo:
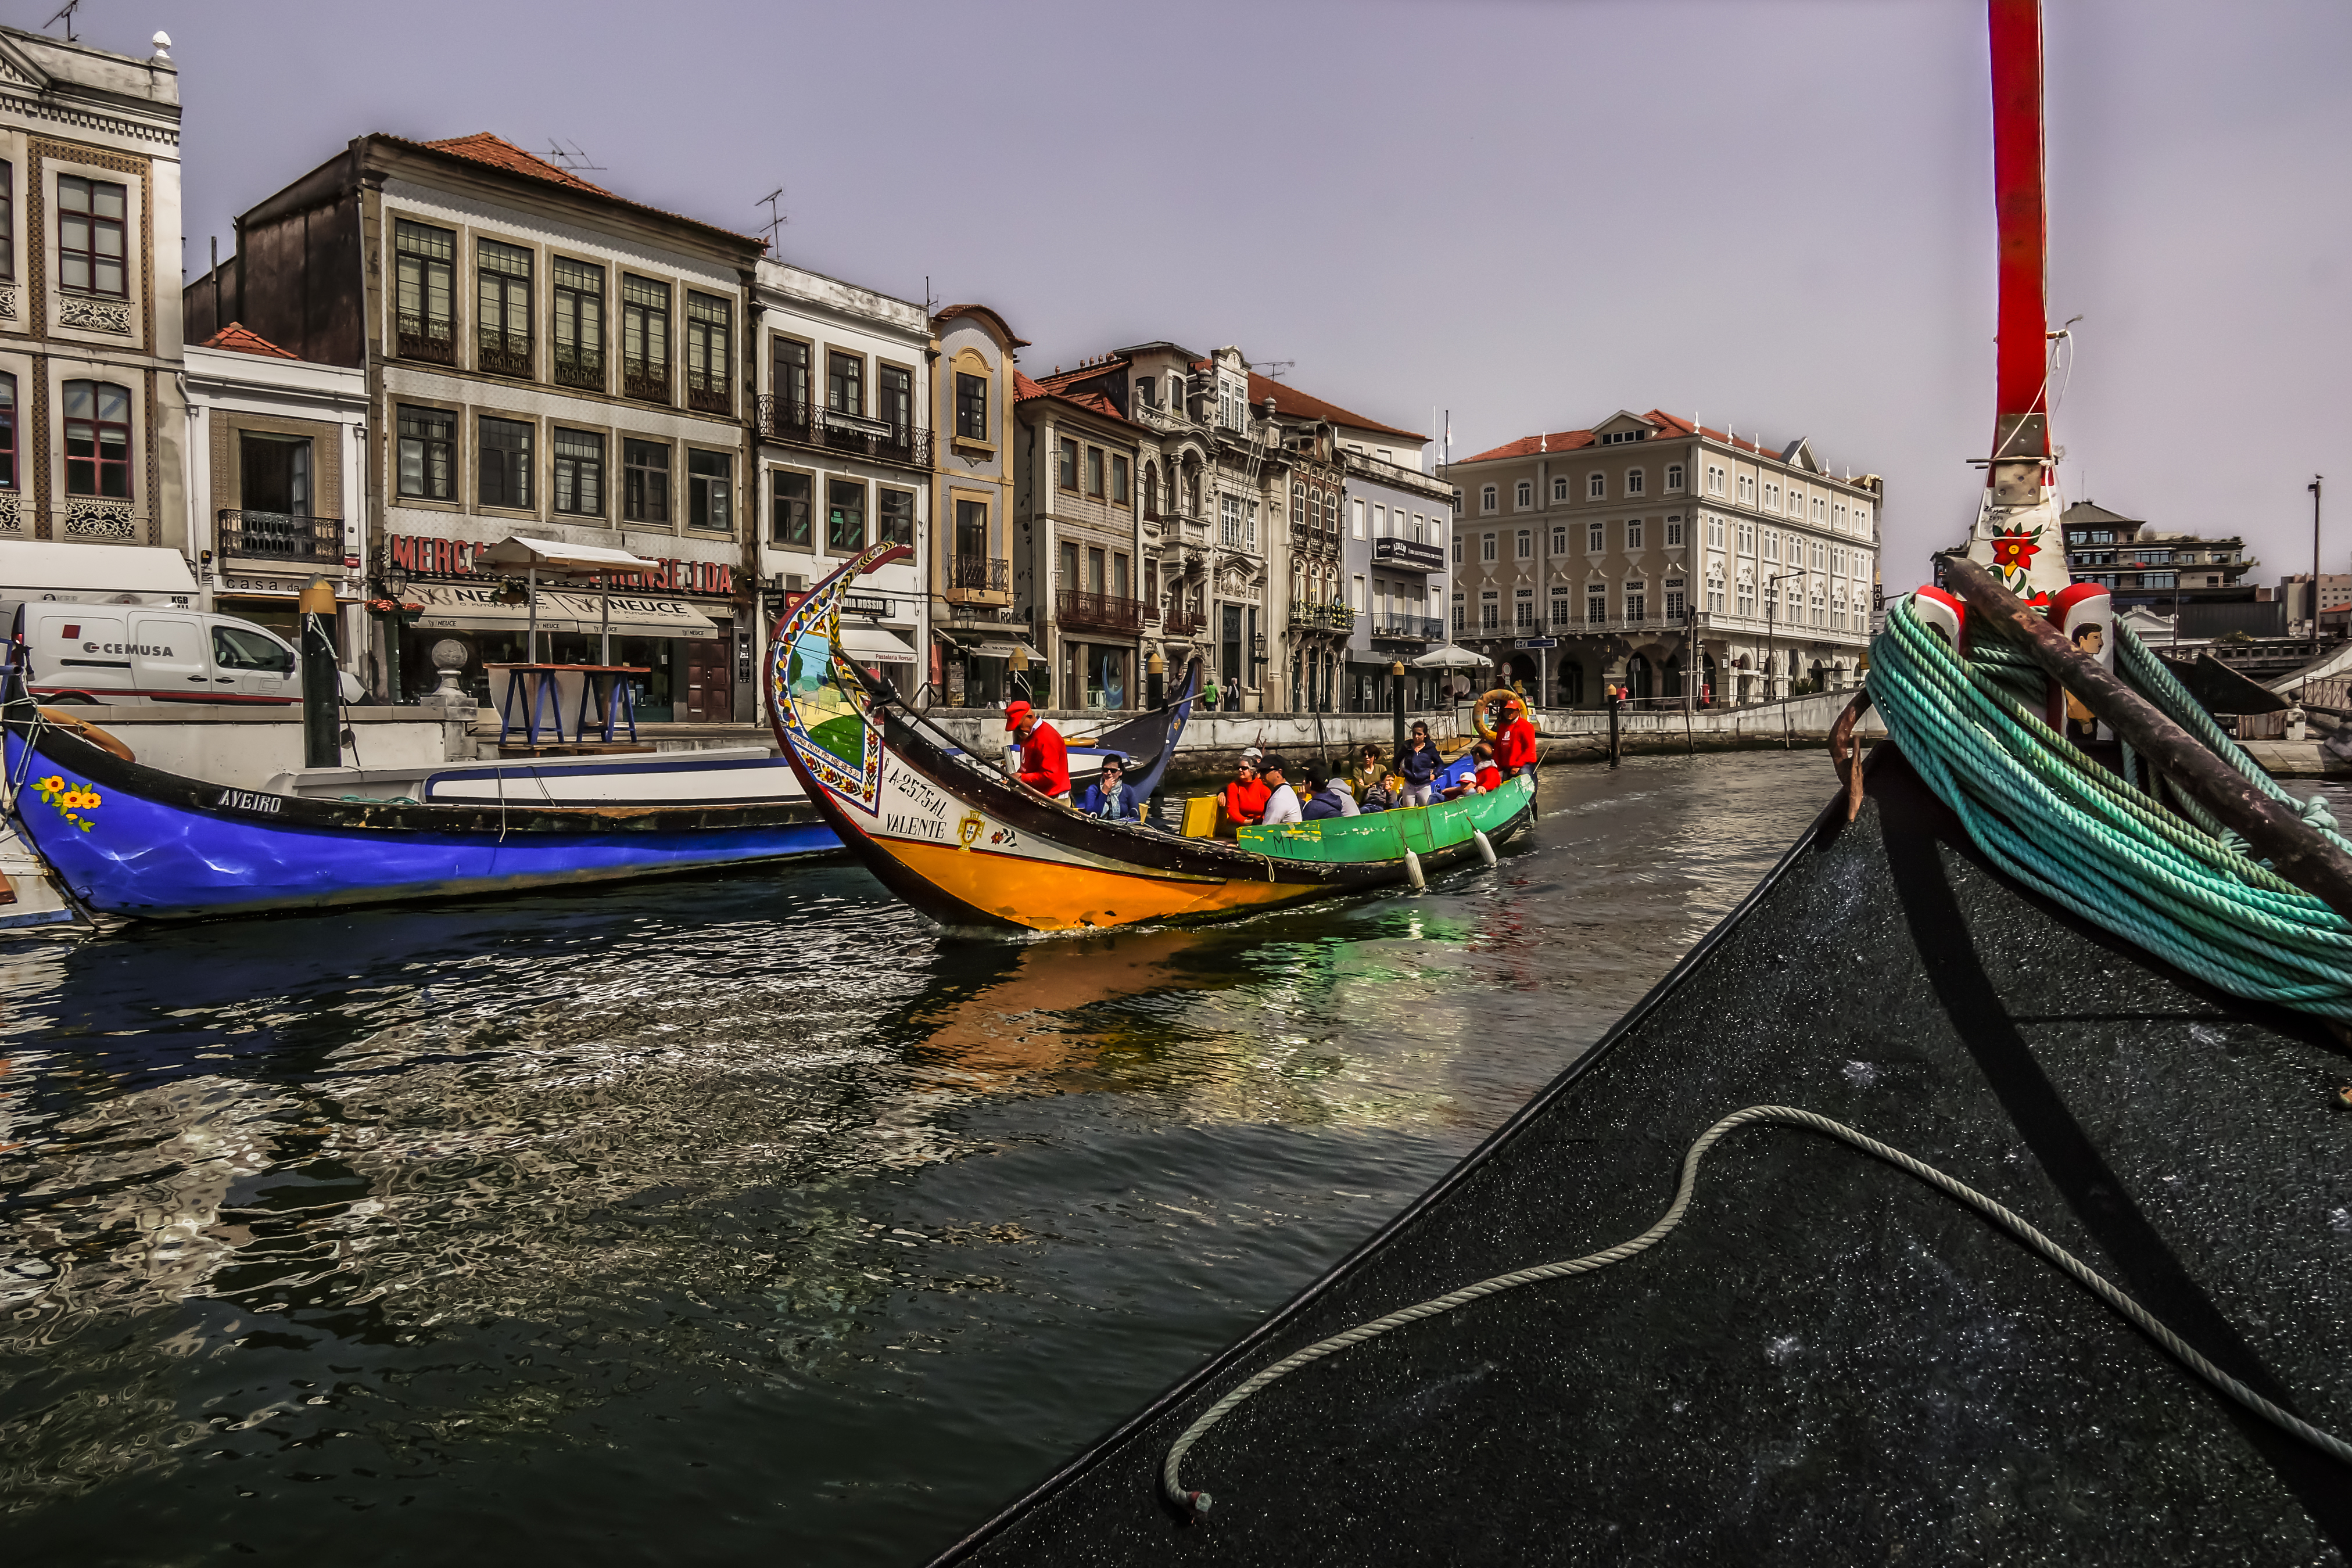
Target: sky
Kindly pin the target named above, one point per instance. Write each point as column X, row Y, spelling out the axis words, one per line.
column 1774, row 214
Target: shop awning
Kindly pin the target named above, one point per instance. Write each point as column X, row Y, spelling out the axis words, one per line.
column 993, row 647
column 874, row 644
column 462, row 607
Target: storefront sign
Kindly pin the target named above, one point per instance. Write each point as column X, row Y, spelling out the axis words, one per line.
column 283, row 585
column 454, row 557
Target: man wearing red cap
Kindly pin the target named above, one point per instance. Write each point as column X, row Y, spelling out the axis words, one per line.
column 1514, row 744
column 1045, row 760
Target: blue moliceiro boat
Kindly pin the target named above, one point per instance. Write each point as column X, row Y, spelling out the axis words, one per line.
column 131, row 841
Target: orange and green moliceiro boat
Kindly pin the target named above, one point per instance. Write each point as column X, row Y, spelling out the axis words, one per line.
column 971, row 847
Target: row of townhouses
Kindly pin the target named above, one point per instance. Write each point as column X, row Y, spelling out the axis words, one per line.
column 419, row 349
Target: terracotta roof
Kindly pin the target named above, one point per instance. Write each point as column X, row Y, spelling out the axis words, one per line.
column 1288, row 400
column 236, row 337
column 484, row 148
column 1024, row 389
column 1570, row 440
column 948, row 313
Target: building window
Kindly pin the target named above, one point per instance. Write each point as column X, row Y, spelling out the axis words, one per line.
column 579, row 331
column 7, row 220
column 1596, row 486
column 1634, row 480
column 1524, row 494
column 1523, row 614
column 1772, row 545
column 710, row 490
column 1596, row 537
column 425, row 260
column 8, row 433
column 1526, row 545
column 971, row 406
column 1457, row 549
column 2159, row 580
column 502, row 318
column 1674, row 532
column 1715, row 593
column 1596, row 606
column 895, row 515
column 1490, row 614
column 971, row 567
column 645, row 338
column 1560, row 613
column 1673, row 599
column 1229, row 520
column 710, row 338
column 1632, row 533
column 788, row 512
column 845, row 383
column 1458, row 612
column 1674, row 477
column 505, row 476
column 1637, row 601
column 1094, row 471
column 1820, row 509
column 844, row 516
column 788, row 364
column 90, row 237
column 1356, row 519
column 1715, row 533
column 1713, row 479
column 428, row 439
column 1748, row 489
column 579, row 472
column 1067, row 478
column 1486, row 547
column 645, row 482
column 1560, row 488
column 1560, row 541
column 1487, row 499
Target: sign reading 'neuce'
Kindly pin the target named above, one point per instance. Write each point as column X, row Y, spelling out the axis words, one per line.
column 454, row 557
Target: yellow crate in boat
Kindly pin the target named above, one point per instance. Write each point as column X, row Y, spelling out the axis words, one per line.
column 1200, row 815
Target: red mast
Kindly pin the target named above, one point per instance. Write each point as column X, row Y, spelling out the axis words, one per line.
column 2022, row 426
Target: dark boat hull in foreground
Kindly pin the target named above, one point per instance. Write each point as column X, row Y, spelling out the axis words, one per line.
column 1828, row 1362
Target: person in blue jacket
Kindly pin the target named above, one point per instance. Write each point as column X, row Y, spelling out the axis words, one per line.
column 1418, row 765
column 1108, row 797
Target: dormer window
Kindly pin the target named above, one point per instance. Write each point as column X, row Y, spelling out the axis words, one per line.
column 1619, row 437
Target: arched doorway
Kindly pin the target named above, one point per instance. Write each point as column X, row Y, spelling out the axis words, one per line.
column 1571, row 684
column 1674, row 674
column 1523, row 669
column 1638, row 683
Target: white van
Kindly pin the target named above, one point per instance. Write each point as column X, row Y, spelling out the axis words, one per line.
column 144, row 654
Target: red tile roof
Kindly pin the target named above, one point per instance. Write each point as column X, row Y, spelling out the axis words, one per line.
column 1024, row 389
column 1569, row 440
column 236, row 337
column 484, row 148
column 1290, row 401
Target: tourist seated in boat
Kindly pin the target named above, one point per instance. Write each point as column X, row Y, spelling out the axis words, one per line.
column 1368, row 774
column 1480, row 777
column 1110, row 797
column 1045, row 760
column 1328, row 794
column 1282, row 805
column 1245, row 796
column 1388, row 795
column 1418, row 765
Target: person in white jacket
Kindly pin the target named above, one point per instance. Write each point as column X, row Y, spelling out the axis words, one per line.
column 1282, row 806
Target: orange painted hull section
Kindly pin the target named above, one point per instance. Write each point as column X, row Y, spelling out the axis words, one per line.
column 1054, row 896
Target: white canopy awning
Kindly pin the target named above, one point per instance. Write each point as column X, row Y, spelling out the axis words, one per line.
column 464, row 607
column 876, row 645
column 554, row 555
column 1451, row 657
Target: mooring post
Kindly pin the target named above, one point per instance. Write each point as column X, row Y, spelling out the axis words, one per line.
column 1396, row 705
column 1615, row 702
column 322, row 744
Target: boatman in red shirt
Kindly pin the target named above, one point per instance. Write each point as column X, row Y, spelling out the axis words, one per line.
column 1514, row 743
column 1045, row 760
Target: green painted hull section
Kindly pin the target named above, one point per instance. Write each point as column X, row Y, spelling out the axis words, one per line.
column 1386, row 836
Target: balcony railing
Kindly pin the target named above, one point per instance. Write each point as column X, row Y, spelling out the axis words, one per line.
column 428, row 338
column 1322, row 618
column 1411, row 555
column 709, row 397
column 1099, row 612
column 803, row 423
column 649, row 383
column 504, row 353
column 281, row 536
column 1180, row 622
column 582, row 368
column 985, row 574
column 1407, row 628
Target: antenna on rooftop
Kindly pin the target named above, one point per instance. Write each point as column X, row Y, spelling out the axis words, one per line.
column 776, row 219
column 65, row 15
column 572, row 160
column 1274, row 369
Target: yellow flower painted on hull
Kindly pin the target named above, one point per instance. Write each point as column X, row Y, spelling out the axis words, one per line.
column 70, row 799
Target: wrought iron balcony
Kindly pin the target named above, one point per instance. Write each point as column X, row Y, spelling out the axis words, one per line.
column 582, row 368
column 280, row 535
column 649, row 383
column 503, row 353
column 1322, row 618
column 428, row 338
column 1182, row 622
column 805, row 424
column 1098, row 611
column 1406, row 628
column 980, row 573
column 1408, row 555
column 708, row 397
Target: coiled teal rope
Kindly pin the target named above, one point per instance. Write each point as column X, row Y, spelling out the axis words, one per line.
column 2098, row 844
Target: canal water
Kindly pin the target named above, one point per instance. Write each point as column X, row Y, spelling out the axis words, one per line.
column 747, row 1219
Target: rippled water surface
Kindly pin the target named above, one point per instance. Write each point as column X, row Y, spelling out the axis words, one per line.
column 747, row 1219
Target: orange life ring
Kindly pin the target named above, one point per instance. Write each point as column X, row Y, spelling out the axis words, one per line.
column 1478, row 714
column 83, row 729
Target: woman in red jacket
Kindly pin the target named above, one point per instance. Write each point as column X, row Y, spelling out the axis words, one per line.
column 1246, row 795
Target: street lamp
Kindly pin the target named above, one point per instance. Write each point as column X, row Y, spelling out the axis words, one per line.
column 2314, row 488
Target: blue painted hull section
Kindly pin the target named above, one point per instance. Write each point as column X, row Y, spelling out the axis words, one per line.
column 151, row 858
